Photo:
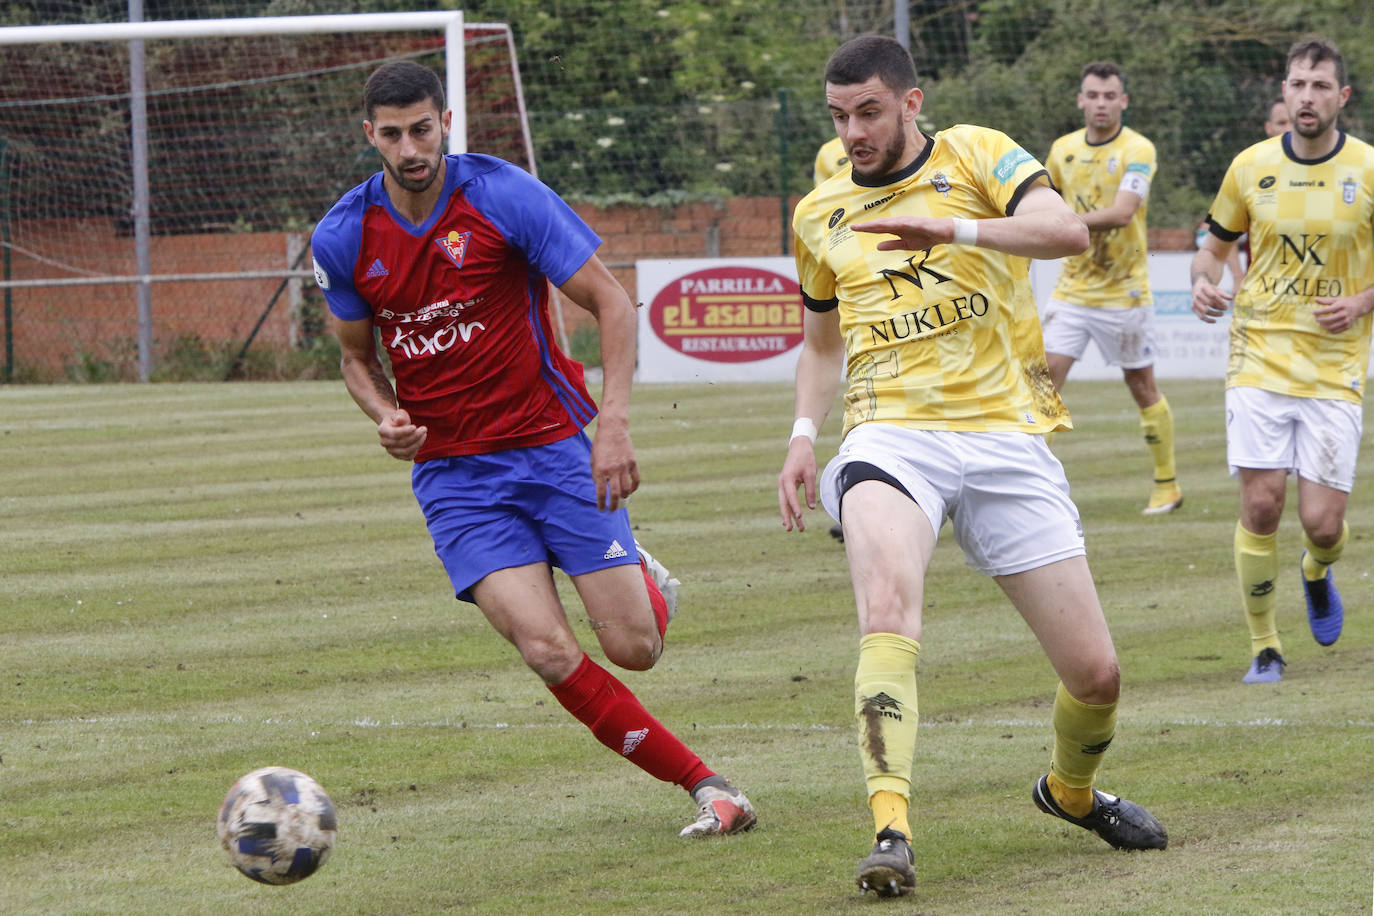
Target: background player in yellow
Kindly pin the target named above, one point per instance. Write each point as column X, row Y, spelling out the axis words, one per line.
column 915, row 277
column 1104, row 172
column 1300, row 332
column 830, row 158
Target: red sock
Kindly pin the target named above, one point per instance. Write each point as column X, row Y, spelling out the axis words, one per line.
column 599, row 701
column 656, row 600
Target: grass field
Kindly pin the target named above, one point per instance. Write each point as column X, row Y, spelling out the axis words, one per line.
column 198, row 580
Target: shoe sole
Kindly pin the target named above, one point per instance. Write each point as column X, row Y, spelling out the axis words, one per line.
column 880, row 879
column 740, row 823
column 1164, row 509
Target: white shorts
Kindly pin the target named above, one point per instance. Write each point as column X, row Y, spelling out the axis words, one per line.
column 1316, row 438
column 1124, row 337
column 1005, row 493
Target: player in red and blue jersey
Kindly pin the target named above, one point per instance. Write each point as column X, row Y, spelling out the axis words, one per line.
column 447, row 259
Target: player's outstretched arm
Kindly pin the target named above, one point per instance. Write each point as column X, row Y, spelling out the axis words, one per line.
column 1043, row 226
column 614, row 469
column 366, row 381
column 820, row 367
column 1210, row 301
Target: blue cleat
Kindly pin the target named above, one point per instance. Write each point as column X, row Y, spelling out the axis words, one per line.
column 1265, row 668
column 1325, row 612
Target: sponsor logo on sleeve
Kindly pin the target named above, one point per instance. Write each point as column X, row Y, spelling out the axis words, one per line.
column 1006, row 166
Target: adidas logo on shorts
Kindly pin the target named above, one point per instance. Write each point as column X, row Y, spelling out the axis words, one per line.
column 614, row 551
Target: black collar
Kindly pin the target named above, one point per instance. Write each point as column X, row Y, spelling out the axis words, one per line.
column 901, row 174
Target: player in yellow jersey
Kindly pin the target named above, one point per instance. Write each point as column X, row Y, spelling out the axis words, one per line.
column 914, row 269
column 830, row 158
column 1104, row 171
column 1300, row 332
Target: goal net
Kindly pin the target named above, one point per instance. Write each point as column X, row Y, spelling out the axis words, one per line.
column 249, row 140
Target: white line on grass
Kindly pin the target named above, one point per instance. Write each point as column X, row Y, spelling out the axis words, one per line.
column 369, row 722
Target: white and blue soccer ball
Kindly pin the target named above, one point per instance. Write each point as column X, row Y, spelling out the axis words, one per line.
column 277, row 825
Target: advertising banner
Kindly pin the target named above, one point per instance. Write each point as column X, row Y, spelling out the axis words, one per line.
column 1187, row 347
column 718, row 319
column 740, row 319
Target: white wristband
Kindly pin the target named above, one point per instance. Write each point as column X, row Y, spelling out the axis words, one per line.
column 965, row 231
column 804, row 426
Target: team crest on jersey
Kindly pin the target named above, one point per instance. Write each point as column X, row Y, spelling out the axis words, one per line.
column 1348, row 191
column 836, row 217
column 455, row 245
column 1111, row 166
column 940, row 183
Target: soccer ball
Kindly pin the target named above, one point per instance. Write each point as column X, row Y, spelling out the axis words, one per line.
column 277, row 825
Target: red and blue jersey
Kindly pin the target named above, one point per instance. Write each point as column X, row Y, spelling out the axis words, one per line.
column 461, row 303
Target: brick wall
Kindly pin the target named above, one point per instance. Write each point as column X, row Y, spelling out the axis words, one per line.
column 54, row 326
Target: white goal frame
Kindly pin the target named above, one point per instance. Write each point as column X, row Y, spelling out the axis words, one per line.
column 450, row 22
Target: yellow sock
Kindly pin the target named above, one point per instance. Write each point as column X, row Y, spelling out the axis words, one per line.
column 1082, row 732
column 1257, row 567
column 885, row 707
column 1317, row 559
column 1157, row 425
column 1077, row 802
column 890, row 810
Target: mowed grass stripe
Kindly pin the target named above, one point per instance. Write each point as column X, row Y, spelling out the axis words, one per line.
column 256, row 586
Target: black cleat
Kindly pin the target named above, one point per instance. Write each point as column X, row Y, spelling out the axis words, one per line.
column 890, row 869
column 1123, row 824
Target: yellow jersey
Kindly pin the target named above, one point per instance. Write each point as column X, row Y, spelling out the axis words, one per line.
column 830, row 158
column 1114, row 271
column 1311, row 226
column 947, row 338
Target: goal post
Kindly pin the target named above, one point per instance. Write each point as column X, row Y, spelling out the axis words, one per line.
column 450, row 22
column 251, row 131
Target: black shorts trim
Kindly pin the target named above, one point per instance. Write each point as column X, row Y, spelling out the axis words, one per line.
column 858, row 471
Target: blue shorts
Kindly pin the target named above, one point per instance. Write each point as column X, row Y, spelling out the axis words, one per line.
column 520, row 506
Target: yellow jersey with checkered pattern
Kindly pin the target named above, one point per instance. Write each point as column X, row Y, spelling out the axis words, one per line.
column 1311, row 226
column 830, row 158
column 947, row 338
column 1114, row 272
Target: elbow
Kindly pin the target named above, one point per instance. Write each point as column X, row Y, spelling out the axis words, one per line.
column 1075, row 237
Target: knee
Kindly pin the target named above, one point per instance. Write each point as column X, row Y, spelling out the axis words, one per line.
column 1099, row 685
column 633, row 651
column 1261, row 512
column 1143, row 392
column 554, row 660
column 1324, row 531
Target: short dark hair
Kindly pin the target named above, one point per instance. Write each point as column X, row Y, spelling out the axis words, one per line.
column 1313, row 51
column 400, row 83
column 1103, row 69
column 860, row 59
